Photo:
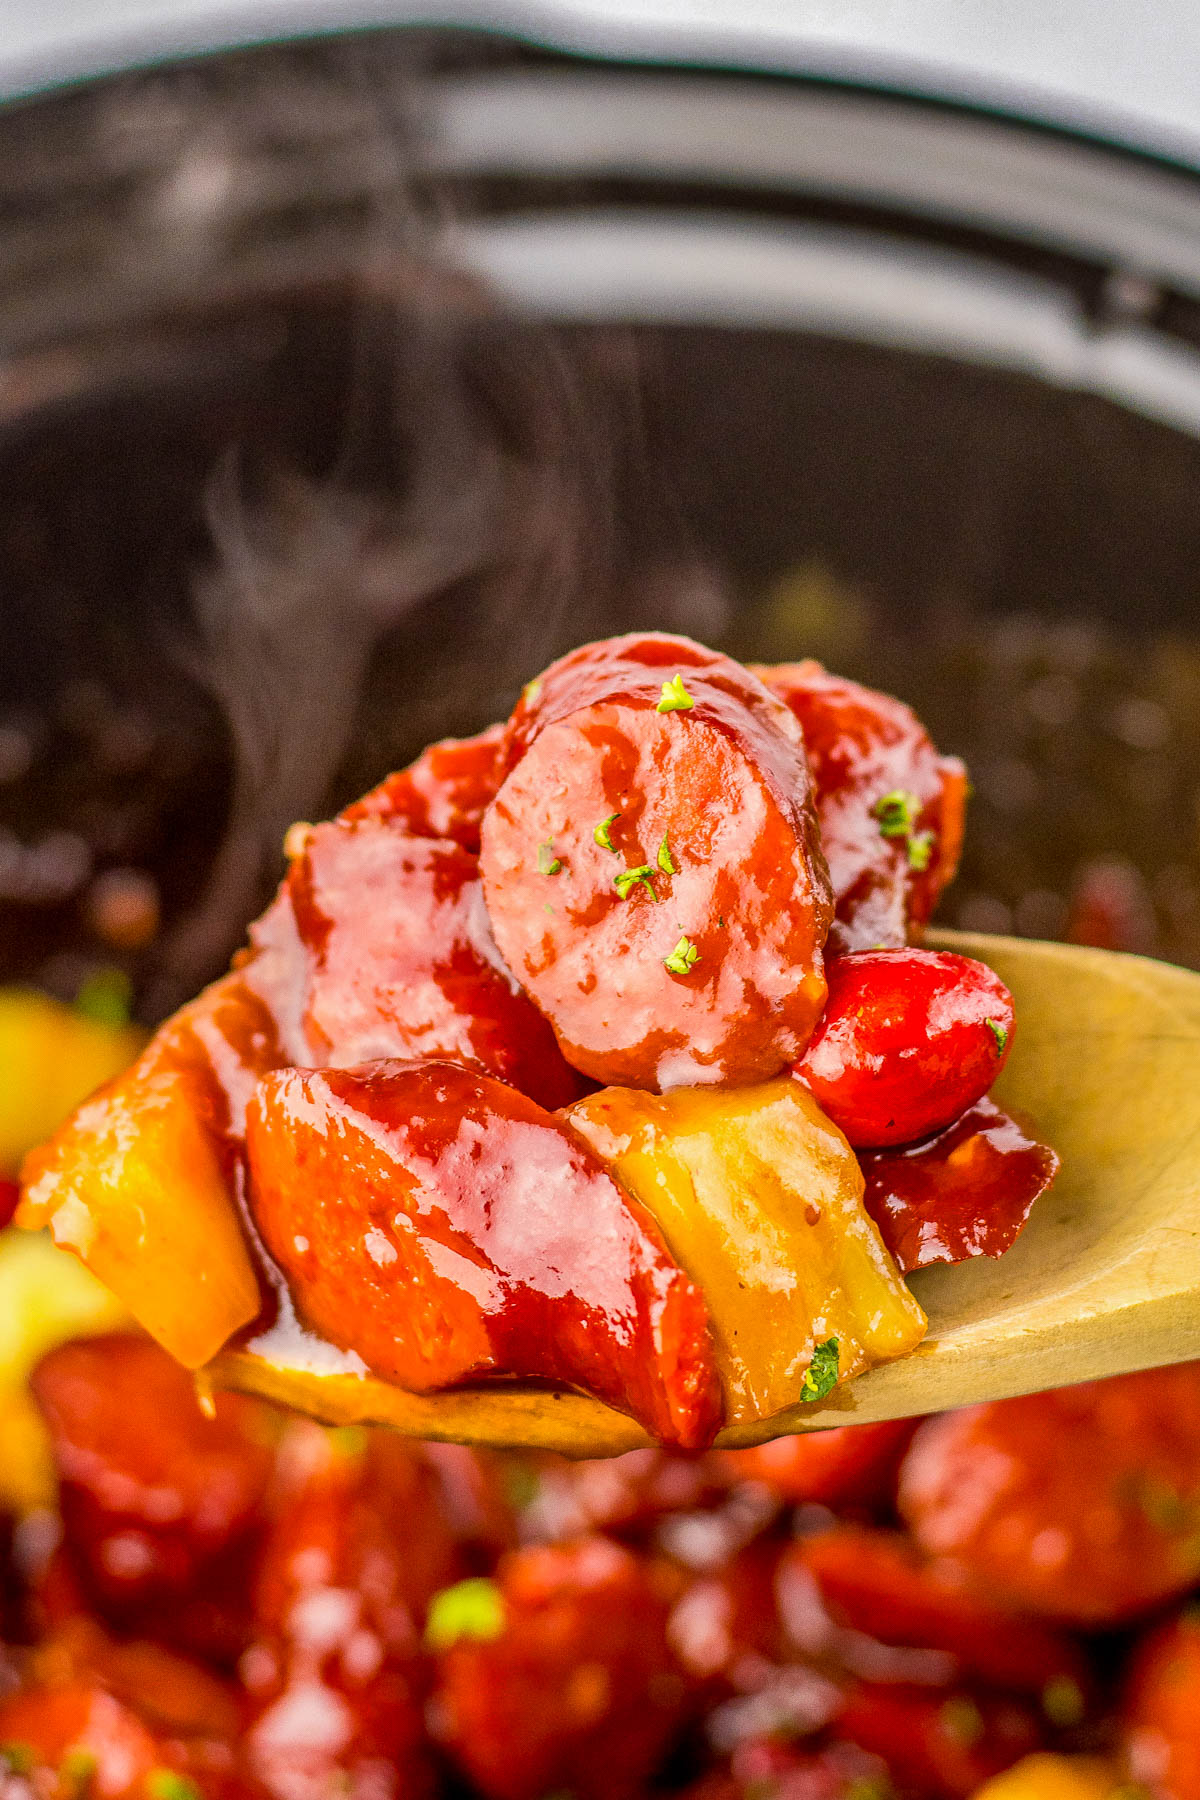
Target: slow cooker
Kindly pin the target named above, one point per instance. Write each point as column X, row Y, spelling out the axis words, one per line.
column 357, row 359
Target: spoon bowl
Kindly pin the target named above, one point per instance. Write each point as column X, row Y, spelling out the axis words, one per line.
column 1105, row 1278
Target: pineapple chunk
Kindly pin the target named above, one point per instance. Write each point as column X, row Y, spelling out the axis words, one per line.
column 759, row 1197
column 51, row 1058
column 135, row 1184
column 44, row 1300
column 1047, row 1777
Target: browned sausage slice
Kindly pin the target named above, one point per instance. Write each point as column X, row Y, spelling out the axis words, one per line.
column 446, row 1228
column 652, row 868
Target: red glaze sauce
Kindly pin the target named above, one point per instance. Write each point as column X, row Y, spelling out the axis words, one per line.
column 446, row 1228
column 712, row 802
column 444, row 793
column 399, row 962
column 1080, row 1505
column 966, row 1192
column 909, row 1039
column 863, row 746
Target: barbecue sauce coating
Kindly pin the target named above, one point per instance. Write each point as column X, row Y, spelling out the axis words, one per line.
column 908, row 1040
column 580, row 1692
column 151, row 1514
column 1080, row 1505
column 446, row 1229
column 398, row 961
column 1162, row 1710
column 654, row 877
column 444, row 793
column 966, row 1192
column 863, row 746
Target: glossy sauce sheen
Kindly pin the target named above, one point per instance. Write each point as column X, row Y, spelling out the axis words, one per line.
column 1079, row 1505
column 908, row 1040
column 445, row 1228
column 399, row 961
column 966, row 1192
column 862, row 745
column 444, row 793
column 725, row 784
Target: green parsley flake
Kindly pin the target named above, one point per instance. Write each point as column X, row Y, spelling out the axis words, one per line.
column 105, row 995
column 547, row 862
column 531, row 690
column 168, row 1784
column 1062, row 1701
column 920, row 850
column 999, row 1032
column 349, row 1441
column 470, row 1609
column 664, row 858
column 962, row 1721
column 820, row 1378
column 603, row 835
column 675, row 697
column 897, row 812
column 77, row 1770
column 683, row 958
column 17, row 1757
column 628, row 879
column 866, row 1787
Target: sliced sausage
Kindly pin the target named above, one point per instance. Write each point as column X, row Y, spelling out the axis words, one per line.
column 890, row 807
column 652, row 868
column 966, row 1192
column 908, row 1040
column 400, row 961
column 444, row 793
column 445, row 1228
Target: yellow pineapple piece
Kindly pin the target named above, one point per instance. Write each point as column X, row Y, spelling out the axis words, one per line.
column 44, row 1300
column 51, row 1058
column 135, row 1184
column 759, row 1197
column 1047, row 1777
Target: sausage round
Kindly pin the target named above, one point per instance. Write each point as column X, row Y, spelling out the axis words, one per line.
column 652, row 868
column 399, row 961
column 444, row 1228
column 890, row 807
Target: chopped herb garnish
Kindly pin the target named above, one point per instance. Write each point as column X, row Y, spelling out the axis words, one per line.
column 470, row 1609
column 603, row 833
column 547, row 862
column 897, row 812
column 105, row 995
column 350, row 1441
column 1062, row 1701
column 628, row 879
column 999, row 1032
column 664, row 858
column 675, row 697
column 920, row 850
column 962, row 1721
column 531, row 690
column 169, row 1784
column 683, row 958
column 77, row 1769
column 17, row 1757
column 522, row 1484
column 820, row 1378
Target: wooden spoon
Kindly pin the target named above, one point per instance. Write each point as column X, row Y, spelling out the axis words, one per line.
column 1105, row 1277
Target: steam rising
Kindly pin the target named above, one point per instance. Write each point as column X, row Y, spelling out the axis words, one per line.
column 472, row 488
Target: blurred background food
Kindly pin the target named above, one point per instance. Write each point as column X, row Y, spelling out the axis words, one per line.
column 343, row 383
